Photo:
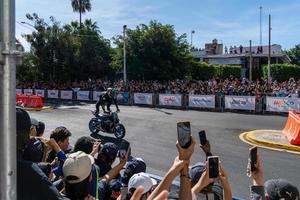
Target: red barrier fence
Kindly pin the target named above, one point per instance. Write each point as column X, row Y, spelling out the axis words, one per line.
column 292, row 128
column 32, row 101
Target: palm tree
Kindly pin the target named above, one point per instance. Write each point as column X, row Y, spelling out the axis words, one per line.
column 81, row 6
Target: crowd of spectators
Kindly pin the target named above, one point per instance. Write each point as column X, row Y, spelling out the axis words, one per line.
column 92, row 170
column 230, row 86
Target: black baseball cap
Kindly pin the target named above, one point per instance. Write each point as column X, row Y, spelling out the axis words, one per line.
column 281, row 189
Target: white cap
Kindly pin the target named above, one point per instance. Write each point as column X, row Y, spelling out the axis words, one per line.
column 78, row 164
column 141, row 179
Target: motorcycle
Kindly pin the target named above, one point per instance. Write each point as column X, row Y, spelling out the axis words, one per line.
column 108, row 123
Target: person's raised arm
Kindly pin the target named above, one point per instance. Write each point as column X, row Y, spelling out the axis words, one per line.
column 227, row 194
column 206, row 148
column 257, row 190
column 116, row 170
column 203, row 181
column 185, row 182
column 179, row 163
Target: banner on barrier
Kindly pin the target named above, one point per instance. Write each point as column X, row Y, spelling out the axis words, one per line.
column 96, row 95
column 19, row 91
column 28, row 92
column 66, row 94
column 53, row 94
column 40, row 93
column 170, row 99
column 83, row 95
column 282, row 104
column 202, row 101
column 123, row 97
column 143, row 98
column 240, row 102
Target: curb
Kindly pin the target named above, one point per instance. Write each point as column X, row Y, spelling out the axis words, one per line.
column 39, row 109
column 268, row 145
column 250, row 136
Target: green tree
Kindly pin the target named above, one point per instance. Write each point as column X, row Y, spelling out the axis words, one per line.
column 154, row 51
column 81, row 6
column 69, row 53
column 294, row 54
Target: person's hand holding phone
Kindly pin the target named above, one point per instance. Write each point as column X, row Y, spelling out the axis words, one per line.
column 206, row 147
column 96, row 147
column 203, row 181
column 186, row 154
column 223, row 176
column 124, row 158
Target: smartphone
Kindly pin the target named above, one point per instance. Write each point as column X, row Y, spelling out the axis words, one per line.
column 202, row 137
column 213, row 164
column 253, row 157
column 124, row 147
column 184, row 134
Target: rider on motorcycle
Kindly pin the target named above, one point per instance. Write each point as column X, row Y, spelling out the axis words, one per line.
column 106, row 99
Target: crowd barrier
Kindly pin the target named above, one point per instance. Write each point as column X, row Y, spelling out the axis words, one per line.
column 218, row 102
column 292, row 128
column 31, row 101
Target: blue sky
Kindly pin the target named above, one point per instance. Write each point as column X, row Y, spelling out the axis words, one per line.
column 234, row 22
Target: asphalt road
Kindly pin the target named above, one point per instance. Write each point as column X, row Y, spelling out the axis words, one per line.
column 152, row 134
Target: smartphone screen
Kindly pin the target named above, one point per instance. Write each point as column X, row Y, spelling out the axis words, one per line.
column 213, row 164
column 184, row 134
column 253, row 157
column 202, row 137
column 123, row 149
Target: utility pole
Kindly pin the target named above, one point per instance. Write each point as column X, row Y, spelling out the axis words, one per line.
column 260, row 25
column 250, row 62
column 124, row 55
column 269, row 56
column 8, row 147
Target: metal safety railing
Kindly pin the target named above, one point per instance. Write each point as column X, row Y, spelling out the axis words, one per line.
column 218, row 102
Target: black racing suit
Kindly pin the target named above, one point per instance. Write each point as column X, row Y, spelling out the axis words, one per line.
column 106, row 99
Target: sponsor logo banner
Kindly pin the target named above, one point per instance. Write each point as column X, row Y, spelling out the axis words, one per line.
column 28, row 92
column 66, row 94
column 83, row 95
column 53, row 94
column 282, row 104
column 96, row 95
column 143, row 98
column 202, row 101
column 240, row 102
column 170, row 99
column 40, row 93
column 19, row 91
column 123, row 97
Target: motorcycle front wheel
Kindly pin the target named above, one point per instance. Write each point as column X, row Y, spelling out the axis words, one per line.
column 93, row 126
column 120, row 131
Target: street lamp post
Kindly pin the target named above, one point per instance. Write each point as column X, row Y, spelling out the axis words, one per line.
column 269, row 55
column 192, row 32
column 124, row 55
column 28, row 24
column 250, row 61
